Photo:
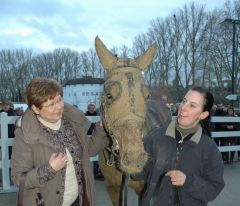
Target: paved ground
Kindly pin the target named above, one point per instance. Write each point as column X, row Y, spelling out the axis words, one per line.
column 230, row 196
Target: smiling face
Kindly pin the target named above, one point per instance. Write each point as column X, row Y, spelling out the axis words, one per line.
column 44, row 97
column 191, row 110
column 51, row 110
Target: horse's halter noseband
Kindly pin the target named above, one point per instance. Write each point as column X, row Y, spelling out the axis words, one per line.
column 113, row 148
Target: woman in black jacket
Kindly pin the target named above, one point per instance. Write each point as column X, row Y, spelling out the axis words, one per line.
column 184, row 166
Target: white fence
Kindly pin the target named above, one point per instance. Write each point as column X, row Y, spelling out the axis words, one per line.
column 5, row 142
column 226, row 134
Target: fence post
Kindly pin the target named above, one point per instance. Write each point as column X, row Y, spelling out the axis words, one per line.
column 5, row 142
column 4, row 146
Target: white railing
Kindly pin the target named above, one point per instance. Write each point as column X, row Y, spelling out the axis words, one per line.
column 226, row 134
column 5, row 142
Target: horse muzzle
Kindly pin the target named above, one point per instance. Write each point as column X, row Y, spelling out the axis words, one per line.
column 133, row 162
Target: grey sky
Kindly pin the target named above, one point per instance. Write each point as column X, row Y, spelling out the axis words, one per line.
column 44, row 25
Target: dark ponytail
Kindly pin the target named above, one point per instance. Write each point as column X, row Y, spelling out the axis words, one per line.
column 208, row 103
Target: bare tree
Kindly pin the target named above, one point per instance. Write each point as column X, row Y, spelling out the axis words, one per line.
column 14, row 75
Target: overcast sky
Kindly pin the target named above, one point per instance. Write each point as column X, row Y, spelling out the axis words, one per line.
column 44, row 25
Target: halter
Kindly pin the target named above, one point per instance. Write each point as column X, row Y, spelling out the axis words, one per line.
column 113, row 154
column 112, row 149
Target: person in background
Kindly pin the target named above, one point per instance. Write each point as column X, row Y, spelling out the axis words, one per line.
column 213, row 124
column 184, row 165
column 238, row 138
column 19, row 111
column 164, row 98
column 8, row 107
column 92, row 112
column 219, row 126
column 229, row 126
column 51, row 146
column 0, row 111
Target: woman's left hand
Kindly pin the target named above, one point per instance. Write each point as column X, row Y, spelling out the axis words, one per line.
column 177, row 177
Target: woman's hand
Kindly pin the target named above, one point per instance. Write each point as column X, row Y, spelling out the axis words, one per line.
column 177, row 177
column 58, row 160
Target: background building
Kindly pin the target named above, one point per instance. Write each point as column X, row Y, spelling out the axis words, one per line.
column 82, row 91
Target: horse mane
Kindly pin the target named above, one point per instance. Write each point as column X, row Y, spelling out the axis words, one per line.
column 158, row 115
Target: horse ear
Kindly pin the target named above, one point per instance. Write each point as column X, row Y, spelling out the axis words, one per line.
column 106, row 58
column 145, row 59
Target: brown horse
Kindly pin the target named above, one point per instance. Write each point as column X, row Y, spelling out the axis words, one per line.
column 127, row 116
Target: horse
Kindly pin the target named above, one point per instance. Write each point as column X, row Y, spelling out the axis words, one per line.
column 127, row 115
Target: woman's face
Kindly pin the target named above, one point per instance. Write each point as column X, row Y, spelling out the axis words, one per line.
column 51, row 110
column 190, row 111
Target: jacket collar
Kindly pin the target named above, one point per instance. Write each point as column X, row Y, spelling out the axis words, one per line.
column 171, row 132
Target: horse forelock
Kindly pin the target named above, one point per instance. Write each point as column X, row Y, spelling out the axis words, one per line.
column 126, row 62
column 121, row 70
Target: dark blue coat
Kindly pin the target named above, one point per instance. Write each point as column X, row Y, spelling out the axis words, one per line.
column 199, row 159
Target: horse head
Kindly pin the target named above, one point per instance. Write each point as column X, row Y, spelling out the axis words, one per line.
column 124, row 104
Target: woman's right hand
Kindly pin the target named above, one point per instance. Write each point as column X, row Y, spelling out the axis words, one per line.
column 58, row 160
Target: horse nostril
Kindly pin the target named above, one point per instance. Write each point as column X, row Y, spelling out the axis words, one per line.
column 126, row 160
column 139, row 166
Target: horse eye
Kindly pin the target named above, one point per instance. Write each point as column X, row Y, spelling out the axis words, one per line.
column 109, row 96
column 112, row 90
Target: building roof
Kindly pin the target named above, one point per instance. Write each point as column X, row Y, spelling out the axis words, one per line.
column 85, row 80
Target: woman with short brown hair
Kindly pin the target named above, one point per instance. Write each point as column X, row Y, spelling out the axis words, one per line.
column 51, row 146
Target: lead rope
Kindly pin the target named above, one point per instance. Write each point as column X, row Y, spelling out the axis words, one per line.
column 156, row 190
column 159, row 182
column 124, row 189
column 113, row 153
